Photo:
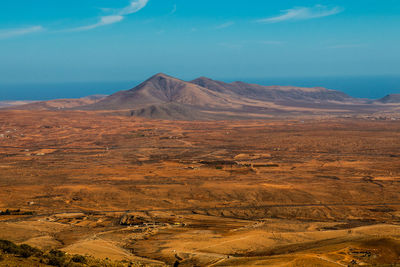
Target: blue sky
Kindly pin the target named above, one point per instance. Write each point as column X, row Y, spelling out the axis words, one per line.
column 121, row 40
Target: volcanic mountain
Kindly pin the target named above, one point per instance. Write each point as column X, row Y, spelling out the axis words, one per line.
column 205, row 92
column 163, row 94
column 166, row 97
column 162, row 89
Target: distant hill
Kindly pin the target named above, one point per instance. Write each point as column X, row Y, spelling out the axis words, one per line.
column 390, row 99
column 166, row 97
column 60, row 103
column 4, row 104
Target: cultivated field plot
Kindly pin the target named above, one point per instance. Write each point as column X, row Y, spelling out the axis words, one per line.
column 295, row 192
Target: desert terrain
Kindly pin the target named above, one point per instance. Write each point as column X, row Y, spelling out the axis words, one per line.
column 300, row 191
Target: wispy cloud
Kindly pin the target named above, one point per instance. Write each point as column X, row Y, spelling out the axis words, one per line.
column 135, row 6
column 225, row 25
column 173, row 11
column 105, row 20
column 303, row 13
column 117, row 16
column 9, row 33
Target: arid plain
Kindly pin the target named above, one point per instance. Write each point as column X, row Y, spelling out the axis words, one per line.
column 321, row 191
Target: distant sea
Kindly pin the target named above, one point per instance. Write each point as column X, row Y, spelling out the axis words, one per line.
column 372, row 87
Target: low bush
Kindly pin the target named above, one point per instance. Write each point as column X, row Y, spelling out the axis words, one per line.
column 78, row 259
column 23, row 250
column 11, row 251
column 56, row 258
column 9, row 247
column 6, row 212
column 26, row 251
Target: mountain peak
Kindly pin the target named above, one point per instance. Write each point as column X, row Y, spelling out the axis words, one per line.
column 161, row 75
column 203, row 78
column 159, row 80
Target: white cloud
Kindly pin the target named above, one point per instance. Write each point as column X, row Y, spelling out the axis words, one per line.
column 135, row 6
column 119, row 15
column 9, row 33
column 106, row 20
column 303, row 13
column 225, row 25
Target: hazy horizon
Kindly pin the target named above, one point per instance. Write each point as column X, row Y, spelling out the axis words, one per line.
column 372, row 87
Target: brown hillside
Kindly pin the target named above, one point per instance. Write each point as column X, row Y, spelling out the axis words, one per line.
column 161, row 89
column 60, row 103
column 274, row 93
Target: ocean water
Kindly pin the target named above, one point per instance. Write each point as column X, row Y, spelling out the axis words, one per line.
column 372, row 87
column 48, row 91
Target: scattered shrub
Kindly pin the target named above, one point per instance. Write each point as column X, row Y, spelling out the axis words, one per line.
column 6, row 212
column 23, row 250
column 9, row 247
column 56, row 258
column 78, row 259
column 15, row 212
column 57, row 253
column 26, row 251
column 74, row 264
column 56, row 261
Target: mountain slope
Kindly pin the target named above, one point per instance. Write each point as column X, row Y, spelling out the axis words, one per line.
column 60, row 103
column 161, row 89
column 390, row 99
column 273, row 93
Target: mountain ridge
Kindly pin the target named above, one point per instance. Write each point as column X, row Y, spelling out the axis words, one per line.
column 390, row 99
column 165, row 97
column 272, row 92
